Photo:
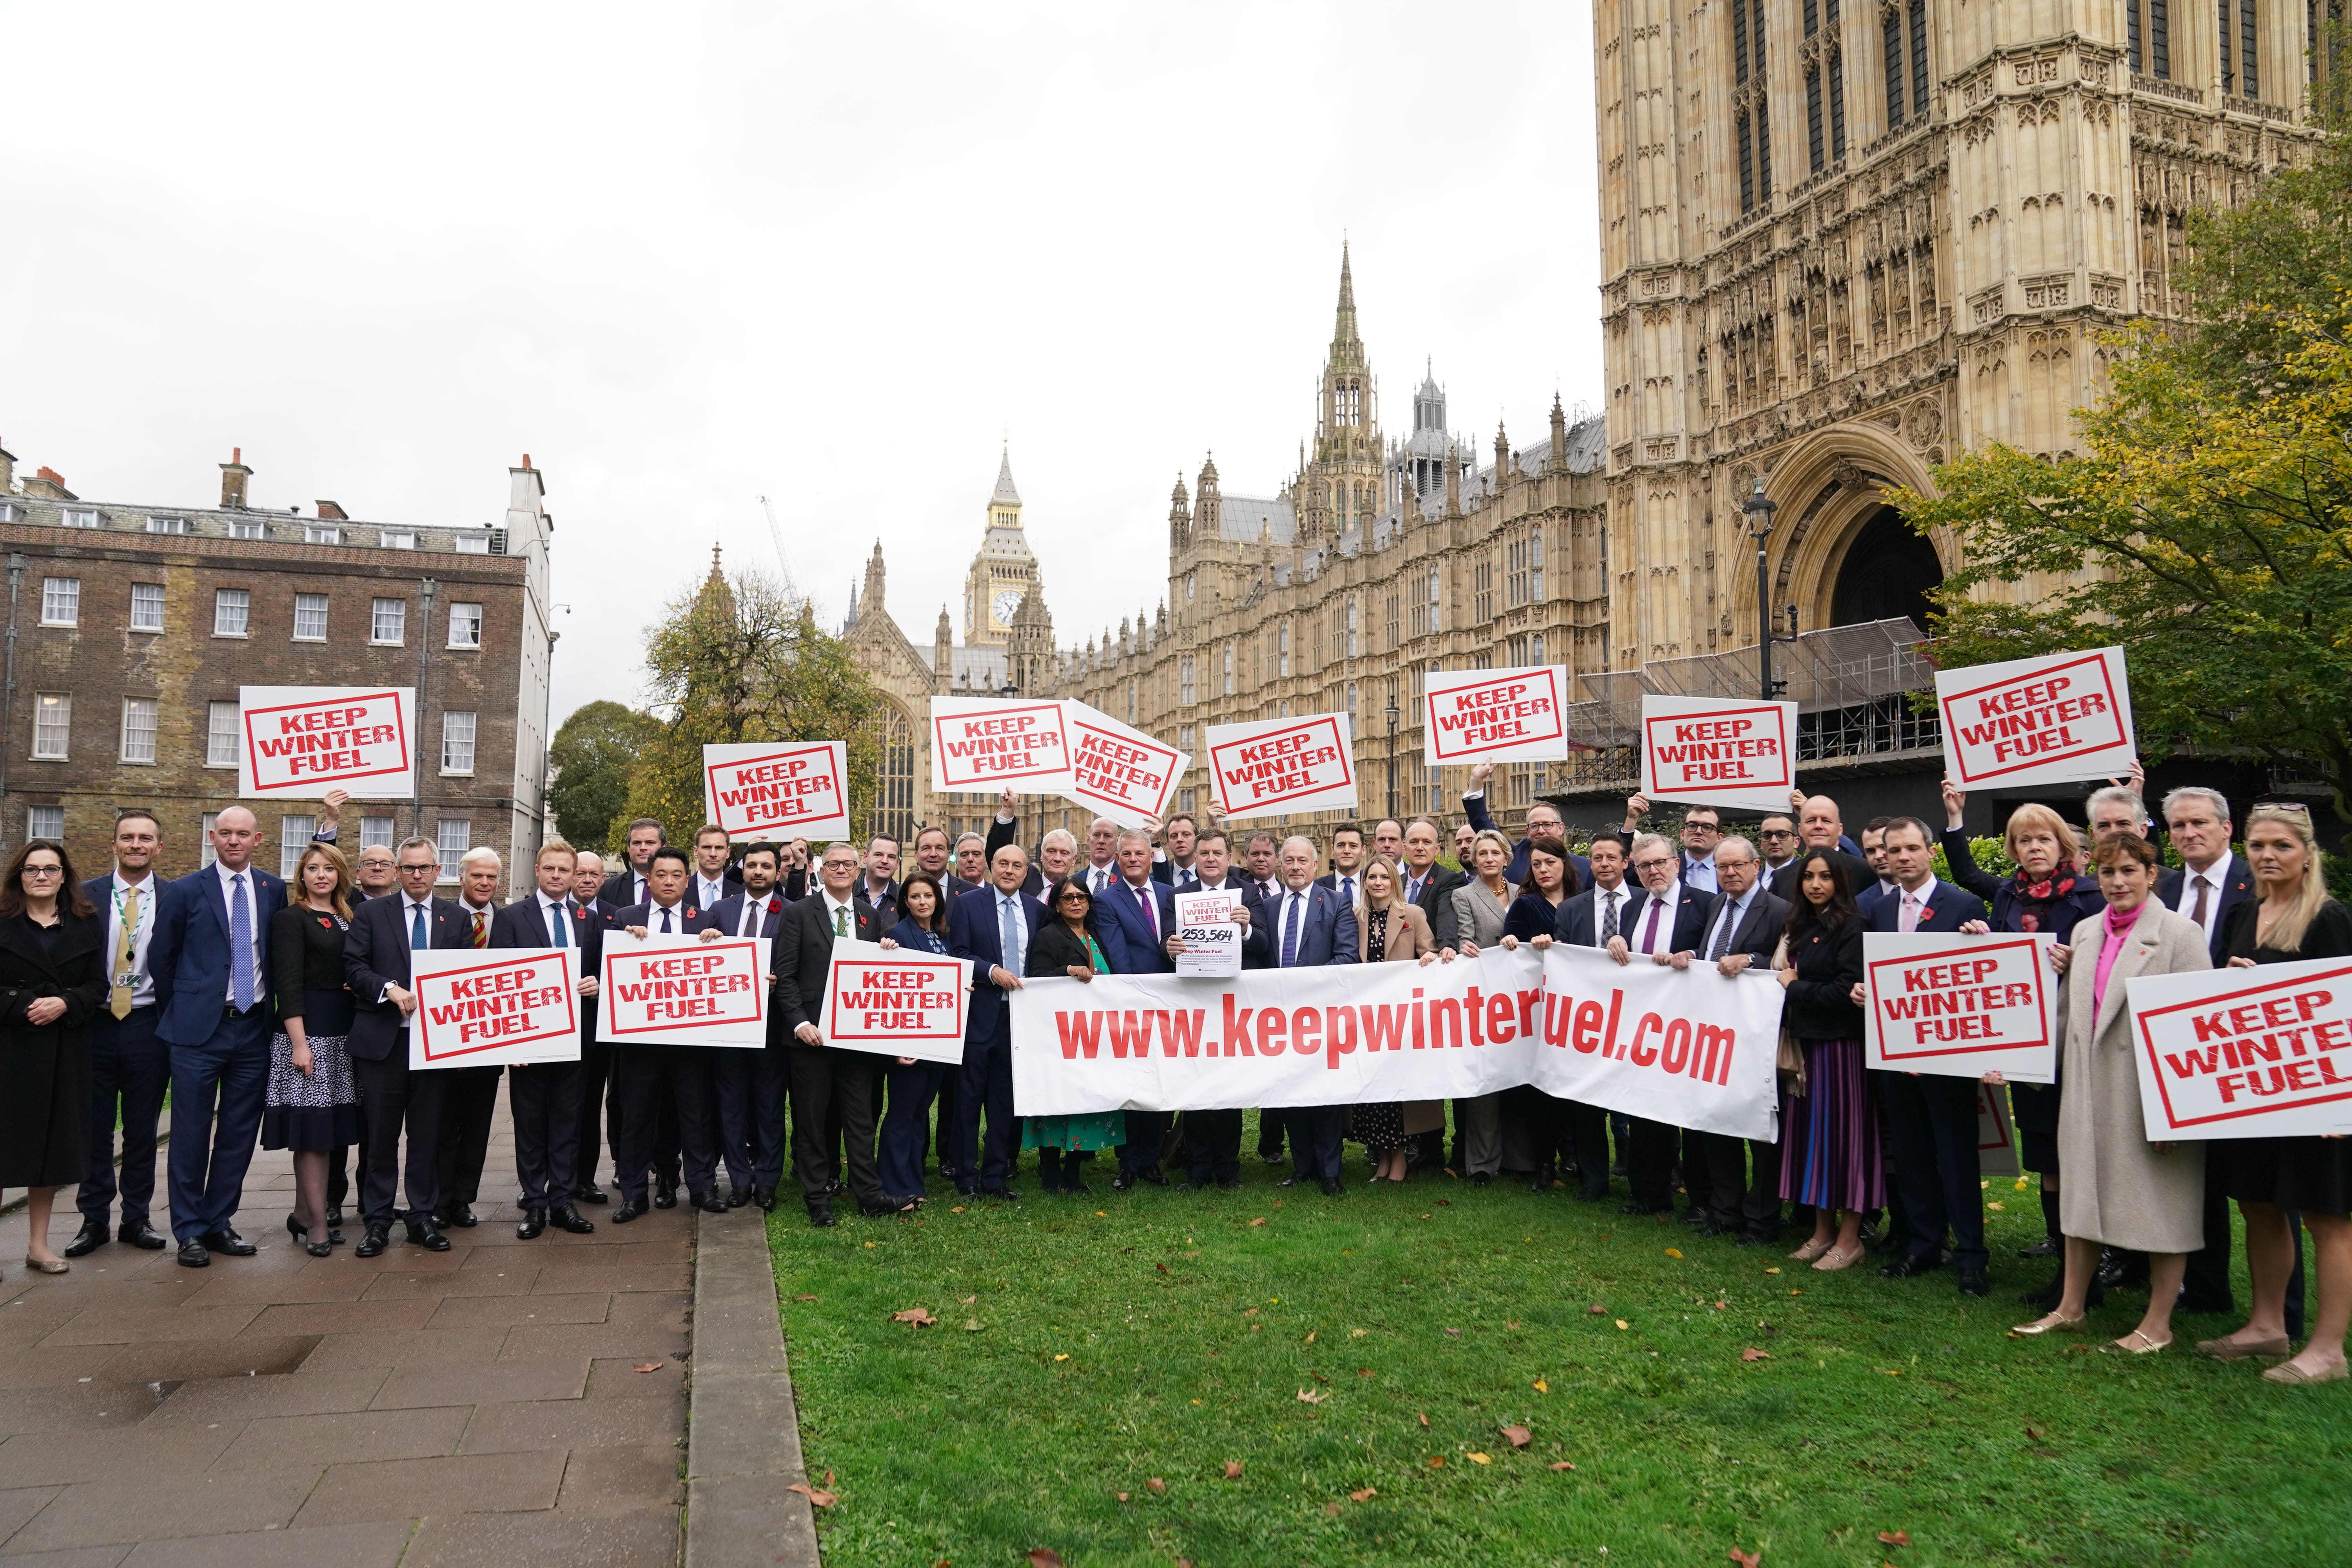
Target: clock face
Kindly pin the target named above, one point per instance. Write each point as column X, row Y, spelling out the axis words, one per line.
column 1005, row 605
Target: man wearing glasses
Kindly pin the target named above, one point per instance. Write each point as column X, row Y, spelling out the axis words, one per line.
column 1776, row 837
column 833, row 1090
column 1702, row 831
column 1665, row 923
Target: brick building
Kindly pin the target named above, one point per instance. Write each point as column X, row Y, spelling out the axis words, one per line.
column 131, row 627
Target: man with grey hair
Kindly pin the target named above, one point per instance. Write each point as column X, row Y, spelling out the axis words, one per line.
column 970, row 866
column 2116, row 808
column 1311, row 927
column 1057, row 851
column 469, row 1095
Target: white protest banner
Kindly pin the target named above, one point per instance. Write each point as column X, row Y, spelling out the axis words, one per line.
column 1212, row 937
column 2052, row 720
column 300, row 742
column 1681, row 1046
column 1276, row 766
column 1518, row 715
column 895, row 1002
column 1961, row 1006
column 2245, row 1053
column 478, row 1007
column 682, row 990
column 986, row 743
column 778, row 789
column 1120, row 772
column 1713, row 751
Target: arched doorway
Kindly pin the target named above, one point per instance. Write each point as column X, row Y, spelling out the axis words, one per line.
column 1888, row 571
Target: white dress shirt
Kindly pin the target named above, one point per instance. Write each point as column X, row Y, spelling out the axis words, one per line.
column 1103, row 878
column 1660, row 935
column 2212, row 878
column 677, row 916
column 1698, row 873
column 252, row 914
column 1725, row 925
column 753, row 921
column 1604, row 900
column 143, row 985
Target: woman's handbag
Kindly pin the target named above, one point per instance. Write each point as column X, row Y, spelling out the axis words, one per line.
column 1791, row 1056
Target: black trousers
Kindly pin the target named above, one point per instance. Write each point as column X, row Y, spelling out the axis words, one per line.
column 750, row 1088
column 1715, row 1169
column 599, row 1110
column 1314, row 1141
column 1649, row 1163
column 832, row 1096
column 1145, row 1129
column 1589, row 1126
column 1931, row 1135
column 1213, row 1145
column 470, row 1103
column 987, row 1085
column 1272, row 1121
column 393, row 1100
column 338, row 1173
column 1550, row 1140
column 129, row 1068
column 543, row 1100
column 943, row 1139
column 649, row 1080
column 1760, row 1209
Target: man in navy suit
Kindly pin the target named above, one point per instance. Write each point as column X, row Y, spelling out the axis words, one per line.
column 1309, row 928
column 651, row 1075
column 835, row 1090
column 1665, row 923
column 1141, row 910
column 543, row 1097
column 1543, row 822
column 210, row 955
column 1743, row 927
column 1346, row 877
column 981, row 925
column 1931, row 1117
column 384, row 932
column 1592, row 919
column 750, row 1085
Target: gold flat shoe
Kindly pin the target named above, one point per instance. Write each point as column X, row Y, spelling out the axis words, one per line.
column 2145, row 1347
column 2049, row 1325
column 2294, row 1375
column 1810, row 1250
column 54, row 1266
column 2236, row 1350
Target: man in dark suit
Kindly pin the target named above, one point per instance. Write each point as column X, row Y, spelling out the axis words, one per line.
column 1174, row 867
column 543, row 1097
column 980, row 928
column 599, row 1111
column 1592, row 919
column 374, row 876
column 1819, row 826
column 750, row 1085
column 210, row 954
column 834, row 1091
column 1212, row 1138
column 933, row 854
column 393, row 1100
column 1702, row 831
column 1346, row 877
column 1310, row 928
column 129, row 1067
column 1427, row 884
column 1142, row 912
column 1664, row 923
column 714, row 877
column 1057, row 851
column 971, row 867
column 1931, row 1117
column 1743, row 927
column 625, row 888
column 469, row 1095
column 1543, row 822
column 651, row 1076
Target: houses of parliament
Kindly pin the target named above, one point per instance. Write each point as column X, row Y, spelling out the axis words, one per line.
column 1841, row 242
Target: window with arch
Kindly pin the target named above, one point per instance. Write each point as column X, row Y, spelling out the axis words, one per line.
column 1282, row 648
column 894, row 793
column 1351, row 628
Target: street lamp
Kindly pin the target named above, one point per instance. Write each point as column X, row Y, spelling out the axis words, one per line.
column 1391, row 712
column 1759, row 508
column 426, row 589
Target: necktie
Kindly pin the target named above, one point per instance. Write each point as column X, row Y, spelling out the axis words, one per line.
column 1608, row 919
column 555, row 923
column 1290, row 932
column 840, row 922
column 119, row 1003
column 1724, row 923
column 419, row 938
column 750, row 917
column 1009, row 925
column 481, row 937
column 1346, row 889
column 1650, row 926
column 240, row 943
column 1151, row 915
column 666, row 930
column 2196, row 914
column 1910, row 911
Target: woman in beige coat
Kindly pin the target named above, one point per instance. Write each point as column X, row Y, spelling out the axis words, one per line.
column 2121, row 1190
column 1480, row 905
column 1390, row 931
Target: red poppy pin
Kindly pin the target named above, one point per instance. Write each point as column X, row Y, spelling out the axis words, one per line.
column 326, row 922
column 774, row 904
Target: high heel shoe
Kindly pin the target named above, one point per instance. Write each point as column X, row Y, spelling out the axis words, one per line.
column 2144, row 1347
column 301, row 1235
column 2051, row 1324
column 1812, row 1249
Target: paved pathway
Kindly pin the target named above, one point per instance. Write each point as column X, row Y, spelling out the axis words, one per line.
column 480, row 1405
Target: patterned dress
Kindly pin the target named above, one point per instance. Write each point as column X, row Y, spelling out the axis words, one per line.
column 1379, row 1126
column 317, row 1112
column 1095, row 1130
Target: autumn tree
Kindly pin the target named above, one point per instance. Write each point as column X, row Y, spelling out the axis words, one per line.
column 593, row 754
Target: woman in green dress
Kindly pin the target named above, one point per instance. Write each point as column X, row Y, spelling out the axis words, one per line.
column 1066, row 945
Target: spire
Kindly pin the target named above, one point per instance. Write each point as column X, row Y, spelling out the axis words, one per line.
column 1502, row 457
column 1558, row 459
column 871, row 599
column 1344, row 331
column 715, row 594
column 1006, row 494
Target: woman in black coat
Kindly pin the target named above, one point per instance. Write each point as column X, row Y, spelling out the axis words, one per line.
column 52, row 984
column 1830, row 1151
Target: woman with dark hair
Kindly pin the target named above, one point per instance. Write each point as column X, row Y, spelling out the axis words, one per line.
column 911, row 1083
column 52, row 982
column 1066, row 945
column 1532, row 1119
column 1830, row 1151
column 312, row 1106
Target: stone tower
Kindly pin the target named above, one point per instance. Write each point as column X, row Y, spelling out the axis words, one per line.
column 1002, row 570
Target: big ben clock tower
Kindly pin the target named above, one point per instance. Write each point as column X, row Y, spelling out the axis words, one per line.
column 1003, row 571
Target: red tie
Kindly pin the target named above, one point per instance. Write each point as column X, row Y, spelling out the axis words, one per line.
column 481, row 928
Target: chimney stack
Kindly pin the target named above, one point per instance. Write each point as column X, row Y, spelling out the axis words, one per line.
column 234, row 473
column 332, row 511
column 48, row 484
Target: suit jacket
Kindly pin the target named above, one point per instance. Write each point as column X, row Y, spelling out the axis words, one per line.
column 973, row 935
column 887, row 906
column 1478, row 915
column 1949, row 907
column 520, row 925
column 1405, row 934
column 1759, row 931
column 620, row 890
column 188, row 954
column 730, row 882
column 375, row 955
column 1000, row 834
column 1689, row 918
column 689, row 919
column 1326, row 928
column 803, row 957
column 727, row 915
column 1163, row 872
column 1578, row 922
column 955, row 886
column 2237, row 887
column 1145, row 947
column 1437, row 900
column 1474, row 807
column 1859, row 877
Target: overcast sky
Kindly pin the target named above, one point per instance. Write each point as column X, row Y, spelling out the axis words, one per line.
column 686, row 256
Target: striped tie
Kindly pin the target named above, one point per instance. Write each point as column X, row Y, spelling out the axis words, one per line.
column 481, row 937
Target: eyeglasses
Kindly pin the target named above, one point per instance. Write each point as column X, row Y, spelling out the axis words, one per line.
column 1075, row 899
column 45, row 870
column 1650, row 865
column 1776, row 833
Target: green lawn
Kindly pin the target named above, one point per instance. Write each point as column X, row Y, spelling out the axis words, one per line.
column 1080, row 1354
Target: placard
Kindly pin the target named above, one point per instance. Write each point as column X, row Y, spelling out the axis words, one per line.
column 300, row 742
column 680, row 990
column 1518, row 715
column 1961, row 1006
column 1211, row 935
column 778, row 789
column 2055, row 720
column 1278, row 766
column 1715, row 752
column 2244, row 1053
column 1119, row 771
column 986, row 743
column 1996, row 1139
column 505, row 1006
column 895, row 1002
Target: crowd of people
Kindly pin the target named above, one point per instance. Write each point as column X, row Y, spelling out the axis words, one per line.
column 277, row 1015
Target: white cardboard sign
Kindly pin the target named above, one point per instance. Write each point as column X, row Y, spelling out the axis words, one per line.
column 1119, row 771
column 1712, row 750
column 504, row 1006
column 778, row 789
column 2055, row 720
column 1278, row 766
column 1961, row 1006
column 1518, row 715
column 986, row 743
column 300, row 742
column 679, row 990
column 2263, row 1052
column 1211, row 936
column 895, row 1002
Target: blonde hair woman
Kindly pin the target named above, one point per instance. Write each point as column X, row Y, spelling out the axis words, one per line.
column 312, row 1103
column 1481, row 906
column 1389, row 931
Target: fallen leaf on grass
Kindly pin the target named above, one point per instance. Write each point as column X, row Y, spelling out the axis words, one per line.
column 1752, row 1354
column 972, row 1325
column 1673, row 1252
column 804, row 1298
column 2034, row 1433
column 1101, row 1214
column 1310, row 1336
column 1445, row 1203
column 1232, row 1469
column 1312, row 1397
column 1044, row 1557
column 1121, row 1496
column 1895, row 1537
column 1597, row 1310
column 1161, row 1267
column 1559, row 1465
column 1367, row 1495
column 1063, row 1356
column 817, row 1496
column 1478, row 1458
column 1155, row 1486
column 1437, row 1461
column 1541, row 1386
column 1424, row 1217
column 869, row 1243
column 1318, row 1377
column 1424, row 1418
column 958, row 1209
column 967, row 1300
column 1453, row 1333
column 1745, row 1559
column 1260, row 1220
column 1359, row 1333
column 1772, row 1271
column 1624, row 1324
column 649, row 1366
column 828, row 1477
column 1249, row 1311
column 1993, row 1206
column 1363, row 1372
column 1719, row 1305
column 1520, row 1436
column 919, row 1316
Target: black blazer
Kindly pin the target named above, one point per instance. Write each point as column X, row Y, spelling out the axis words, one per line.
column 802, row 955
column 2237, row 887
column 1760, row 929
column 1689, row 918
column 1053, row 948
column 520, row 925
column 1949, row 908
column 1579, row 924
column 1819, row 1003
column 1437, row 902
column 620, row 890
column 1000, row 834
column 375, row 955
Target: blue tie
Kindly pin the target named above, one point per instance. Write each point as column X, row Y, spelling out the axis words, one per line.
column 555, row 923
column 1290, row 931
column 240, row 943
column 419, row 938
column 1010, row 918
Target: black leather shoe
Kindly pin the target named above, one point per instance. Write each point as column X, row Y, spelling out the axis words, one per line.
column 534, row 1226
column 1639, row 1208
column 1123, row 1182
column 1005, row 1194
column 1540, row 1182
column 1230, row 1184
column 738, row 1197
column 590, row 1193
column 1910, row 1267
column 711, row 1203
column 664, row 1197
column 1754, row 1238
column 425, row 1233
column 1075, row 1187
column 1720, row 1225
column 462, row 1215
column 1482, row 1178
column 883, row 1210
column 764, row 1198
column 823, row 1218
column 2048, row 1247
column 1697, row 1214
column 372, row 1244
column 1291, row 1180
column 1153, row 1175
column 569, row 1220
column 334, row 1217
column 1334, row 1188
column 228, row 1241
column 138, row 1233
column 192, row 1254
column 90, row 1237
column 627, row 1212
column 1973, row 1283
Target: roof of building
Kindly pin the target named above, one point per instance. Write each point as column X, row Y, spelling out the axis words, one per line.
column 1248, row 519
column 980, row 667
column 1006, row 493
